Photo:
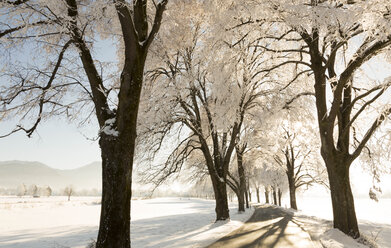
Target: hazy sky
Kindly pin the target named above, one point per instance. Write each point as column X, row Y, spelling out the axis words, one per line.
column 57, row 143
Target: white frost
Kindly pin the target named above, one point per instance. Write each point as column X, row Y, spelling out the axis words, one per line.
column 109, row 131
column 108, row 128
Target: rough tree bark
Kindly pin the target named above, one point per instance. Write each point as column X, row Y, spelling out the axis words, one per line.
column 257, row 191
column 220, row 191
column 341, row 195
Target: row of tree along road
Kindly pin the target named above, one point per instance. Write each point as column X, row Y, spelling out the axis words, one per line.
column 248, row 92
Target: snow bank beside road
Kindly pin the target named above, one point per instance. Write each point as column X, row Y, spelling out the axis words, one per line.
column 334, row 238
column 322, row 229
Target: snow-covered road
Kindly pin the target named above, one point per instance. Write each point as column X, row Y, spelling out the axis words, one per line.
column 269, row 227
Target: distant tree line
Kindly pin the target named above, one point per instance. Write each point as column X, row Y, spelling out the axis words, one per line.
column 34, row 190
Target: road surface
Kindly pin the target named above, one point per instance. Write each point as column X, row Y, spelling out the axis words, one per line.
column 269, row 227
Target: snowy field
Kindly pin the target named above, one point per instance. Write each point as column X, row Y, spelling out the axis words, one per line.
column 166, row 222
column 163, row 222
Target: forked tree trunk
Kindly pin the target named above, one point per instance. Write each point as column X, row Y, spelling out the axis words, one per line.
column 258, row 198
column 117, row 148
column 344, row 214
column 117, row 162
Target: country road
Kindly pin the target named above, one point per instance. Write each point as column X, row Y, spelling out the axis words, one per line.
column 269, row 227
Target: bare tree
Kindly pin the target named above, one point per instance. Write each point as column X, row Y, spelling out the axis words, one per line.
column 67, row 30
column 21, row 190
column 68, row 191
column 45, row 191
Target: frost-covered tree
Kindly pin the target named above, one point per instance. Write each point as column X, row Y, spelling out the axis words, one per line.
column 66, row 75
column 203, row 98
column 33, row 190
column 274, row 179
column 245, row 174
column 299, row 160
column 45, row 191
column 21, row 190
column 333, row 41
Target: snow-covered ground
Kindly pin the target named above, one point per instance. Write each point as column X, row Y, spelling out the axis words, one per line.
column 163, row 222
column 315, row 216
column 168, row 222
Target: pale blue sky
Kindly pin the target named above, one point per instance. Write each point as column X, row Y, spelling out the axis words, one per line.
column 56, row 143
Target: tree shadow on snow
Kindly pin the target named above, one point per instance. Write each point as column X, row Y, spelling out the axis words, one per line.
column 170, row 231
column 58, row 237
column 253, row 234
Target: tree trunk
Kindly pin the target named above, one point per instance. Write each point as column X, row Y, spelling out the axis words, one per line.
column 114, row 225
column 279, row 197
column 292, row 193
column 267, row 196
column 274, row 197
column 292, row 197
column 241, row 201
column 242, row 179
column 257, row 190
column 344, row 214
column 69, row 197
column 220, row 192
column 246, row 197
column 117, row 161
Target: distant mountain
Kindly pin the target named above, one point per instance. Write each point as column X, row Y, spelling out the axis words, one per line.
column 13, row 173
